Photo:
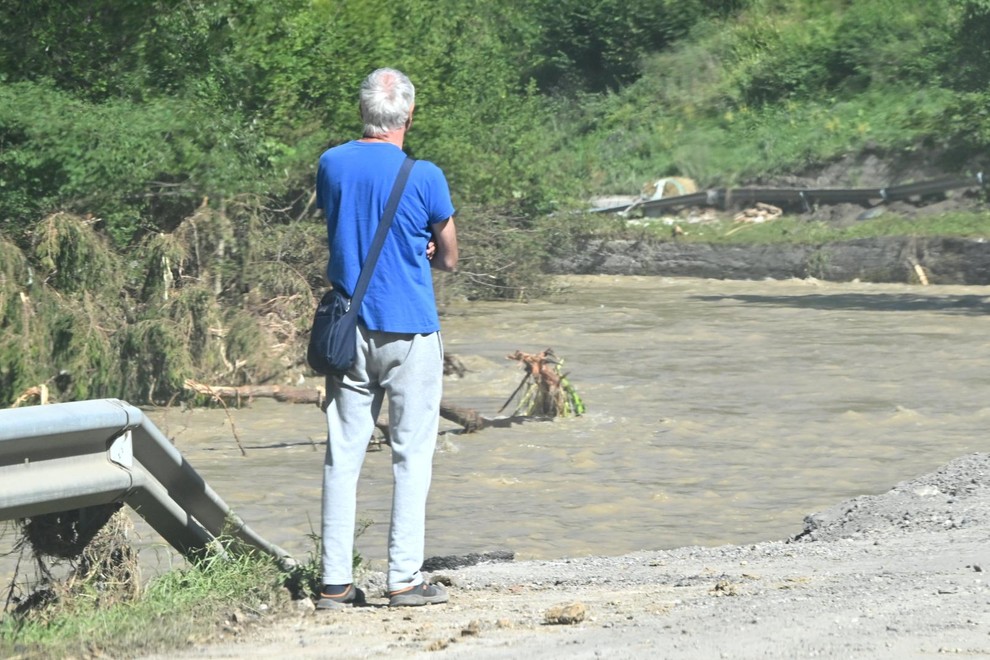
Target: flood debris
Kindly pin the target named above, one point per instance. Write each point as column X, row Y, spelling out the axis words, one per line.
column 545, row 390
column 760, row 212
column 83, row 552
column 35, row 395
column 544, row 393
column 217, row 300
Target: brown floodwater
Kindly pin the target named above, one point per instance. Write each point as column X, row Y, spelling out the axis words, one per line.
column 717, row 412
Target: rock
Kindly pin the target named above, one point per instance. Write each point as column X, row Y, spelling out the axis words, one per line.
column 450, row 562
column 724, row 588
column 372, row 582
column 566, row 614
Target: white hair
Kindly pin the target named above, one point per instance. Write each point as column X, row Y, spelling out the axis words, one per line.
column 387, row 98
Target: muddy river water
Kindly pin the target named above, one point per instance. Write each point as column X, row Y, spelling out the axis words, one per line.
column 717, row 412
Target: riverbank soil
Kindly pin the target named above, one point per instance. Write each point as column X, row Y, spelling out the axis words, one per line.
column 890, row 259
column 897, row 575
column 938, row 260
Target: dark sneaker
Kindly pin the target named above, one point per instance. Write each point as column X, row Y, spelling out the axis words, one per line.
column 421, row 594
column 347, row 598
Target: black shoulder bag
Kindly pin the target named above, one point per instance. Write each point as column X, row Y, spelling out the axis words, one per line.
column 333, row 338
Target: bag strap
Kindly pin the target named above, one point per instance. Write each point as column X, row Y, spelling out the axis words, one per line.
column 383, row 226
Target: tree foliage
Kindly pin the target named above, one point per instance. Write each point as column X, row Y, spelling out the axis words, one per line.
column 133, row 112
column 973, row 44
column 600, row 45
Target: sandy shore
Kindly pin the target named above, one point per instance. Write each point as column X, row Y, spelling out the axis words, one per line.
column 898, row 575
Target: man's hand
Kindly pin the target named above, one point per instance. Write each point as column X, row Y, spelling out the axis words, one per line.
column 431, row 249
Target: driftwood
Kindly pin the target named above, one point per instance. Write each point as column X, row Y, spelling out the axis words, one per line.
column 240, row 393
column 548, row 395
column 38, row 392
column 470, row 420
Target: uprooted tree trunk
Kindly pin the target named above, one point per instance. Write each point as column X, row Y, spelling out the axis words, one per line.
column 470, row 420
column 548, row 394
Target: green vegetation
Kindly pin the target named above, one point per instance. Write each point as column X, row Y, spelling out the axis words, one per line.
column 87, row 600
column 788, row 85
column 180, row 607
column 156, row 157
column 798, row 231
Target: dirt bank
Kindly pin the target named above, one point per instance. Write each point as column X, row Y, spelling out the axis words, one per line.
column 897, row 575
column 888, row 259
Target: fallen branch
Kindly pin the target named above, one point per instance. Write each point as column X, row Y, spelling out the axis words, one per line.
column 467, row 418
column 218, row 397
column 39, row 392
column 247, row 392
column 548, row 395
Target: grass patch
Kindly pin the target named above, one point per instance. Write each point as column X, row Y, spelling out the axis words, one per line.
column 191, row 605
column 96, row 607
column 798, row 231
column 789, row 230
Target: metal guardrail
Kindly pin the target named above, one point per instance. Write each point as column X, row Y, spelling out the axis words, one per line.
column 68, row 456
column 806, row 199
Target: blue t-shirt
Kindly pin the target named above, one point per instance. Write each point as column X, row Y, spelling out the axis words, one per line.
column 353, row 182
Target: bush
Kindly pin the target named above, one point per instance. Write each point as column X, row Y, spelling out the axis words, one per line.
column 117, row 162
column 972, row 39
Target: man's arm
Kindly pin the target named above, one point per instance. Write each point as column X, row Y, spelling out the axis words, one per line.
column 445, row 239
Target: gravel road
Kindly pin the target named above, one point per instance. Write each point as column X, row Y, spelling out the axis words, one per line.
column 898, row 575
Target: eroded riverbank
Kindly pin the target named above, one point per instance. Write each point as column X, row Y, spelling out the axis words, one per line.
column 909, row 260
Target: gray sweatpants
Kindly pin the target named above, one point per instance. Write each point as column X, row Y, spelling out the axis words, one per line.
column 408, row 369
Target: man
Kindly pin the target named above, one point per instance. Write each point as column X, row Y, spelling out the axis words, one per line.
column 400, row 354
